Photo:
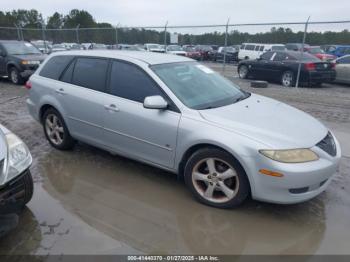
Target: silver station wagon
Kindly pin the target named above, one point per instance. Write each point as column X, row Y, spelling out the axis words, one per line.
column 176, row 114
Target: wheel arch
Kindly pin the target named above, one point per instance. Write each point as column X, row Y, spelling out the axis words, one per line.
column 194, row 148
column 10, row 65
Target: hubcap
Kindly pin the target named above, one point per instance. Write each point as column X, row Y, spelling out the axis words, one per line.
column 215, row 180
column 243, row 71
column 287, row 79
column 54, row 129
column 14, row 76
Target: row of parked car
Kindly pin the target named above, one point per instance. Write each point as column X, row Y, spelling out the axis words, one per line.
column 19, row 59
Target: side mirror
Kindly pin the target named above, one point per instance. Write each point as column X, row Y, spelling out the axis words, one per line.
column 155, row 102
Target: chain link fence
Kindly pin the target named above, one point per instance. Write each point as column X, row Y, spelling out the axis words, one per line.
column 206, row 39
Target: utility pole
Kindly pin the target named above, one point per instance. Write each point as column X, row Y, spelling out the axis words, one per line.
column 165, row 40
column 302, row 53
column 77, row 33
column 226, row 35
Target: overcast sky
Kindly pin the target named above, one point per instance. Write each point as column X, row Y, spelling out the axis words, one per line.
column 194, row 12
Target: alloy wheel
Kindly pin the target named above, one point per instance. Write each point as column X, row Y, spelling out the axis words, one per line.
column 215, row 180
column 54, row 129
column 287, row 79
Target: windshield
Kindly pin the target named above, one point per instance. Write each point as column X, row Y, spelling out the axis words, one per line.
column 278, row 48
column 229, row 49
column 304, row 57
column 197, row 86
column 174, row 48
column 316, row 50
column 190, row 49
column 153, row 46
column 20, row 48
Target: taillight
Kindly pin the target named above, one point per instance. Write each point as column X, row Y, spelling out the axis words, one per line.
column 310, row 66
column 28, row 85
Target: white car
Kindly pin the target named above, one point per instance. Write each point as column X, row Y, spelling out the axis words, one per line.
column 16, row 184
column 175, row 50
column 254, row 51
column 154, row 48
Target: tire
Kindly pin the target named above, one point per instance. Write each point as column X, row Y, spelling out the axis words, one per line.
column 223, row 185
column 15, row 77
column 288, row 79
column 29, row 188
column 243, row 72
column 56, row 130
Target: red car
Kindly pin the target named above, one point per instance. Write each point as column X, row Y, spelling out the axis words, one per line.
column 319, row 53
column 192, row 53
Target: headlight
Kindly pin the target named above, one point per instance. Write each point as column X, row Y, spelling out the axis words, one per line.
column 18, row 156
column 291, row 156
column 30, row 62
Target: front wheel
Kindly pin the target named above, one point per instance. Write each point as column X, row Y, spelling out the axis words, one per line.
column 216, row 179
column 15, row 76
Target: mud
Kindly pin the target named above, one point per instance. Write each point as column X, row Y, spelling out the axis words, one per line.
column 89, row 202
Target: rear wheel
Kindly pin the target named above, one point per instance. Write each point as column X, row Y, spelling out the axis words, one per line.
column 243, row 72
column 15, row 76
column 216, row 179
column 287, row 79
column 56, row 131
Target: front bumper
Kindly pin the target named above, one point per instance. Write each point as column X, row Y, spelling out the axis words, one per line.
column 300, row 182
column 27, row 73
column 12, row 194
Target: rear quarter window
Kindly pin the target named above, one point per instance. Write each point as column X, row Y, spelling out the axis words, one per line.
column 55, row 66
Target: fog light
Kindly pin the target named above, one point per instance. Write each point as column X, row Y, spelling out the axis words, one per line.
column 270, row 173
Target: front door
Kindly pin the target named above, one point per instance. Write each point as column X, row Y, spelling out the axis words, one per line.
column 146, row 134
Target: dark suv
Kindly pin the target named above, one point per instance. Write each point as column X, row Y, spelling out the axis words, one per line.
column 19, row 60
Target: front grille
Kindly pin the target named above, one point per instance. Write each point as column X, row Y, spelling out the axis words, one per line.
column 300, row 190
column 327, row 144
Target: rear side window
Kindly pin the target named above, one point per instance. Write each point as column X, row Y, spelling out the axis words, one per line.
column 262, row 48
column 344, row 60
column 55, row 66
column 90, row 73
column 279, row 57
column 257, row 48
column 130, row 82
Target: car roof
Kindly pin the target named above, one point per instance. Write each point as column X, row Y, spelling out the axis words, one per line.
column 150, row 58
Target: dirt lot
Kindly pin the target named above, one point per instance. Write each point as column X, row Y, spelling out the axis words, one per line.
column 89, row 202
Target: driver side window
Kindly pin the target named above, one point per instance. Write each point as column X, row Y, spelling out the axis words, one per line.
column 266, row 56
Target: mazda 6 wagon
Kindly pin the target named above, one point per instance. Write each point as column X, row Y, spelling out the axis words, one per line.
column 177, row 114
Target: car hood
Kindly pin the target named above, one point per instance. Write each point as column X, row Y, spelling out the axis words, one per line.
column 177, row 52
column 270, row 122
column 36, row 57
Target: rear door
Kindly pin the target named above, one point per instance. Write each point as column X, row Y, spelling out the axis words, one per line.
column 82, row 93
column 343, row 69
column 131, row 129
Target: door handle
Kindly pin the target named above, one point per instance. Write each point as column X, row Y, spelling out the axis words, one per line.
column 60, row 91
column 111, row 107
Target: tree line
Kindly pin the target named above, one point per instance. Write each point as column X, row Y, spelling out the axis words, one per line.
column 75, row 27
